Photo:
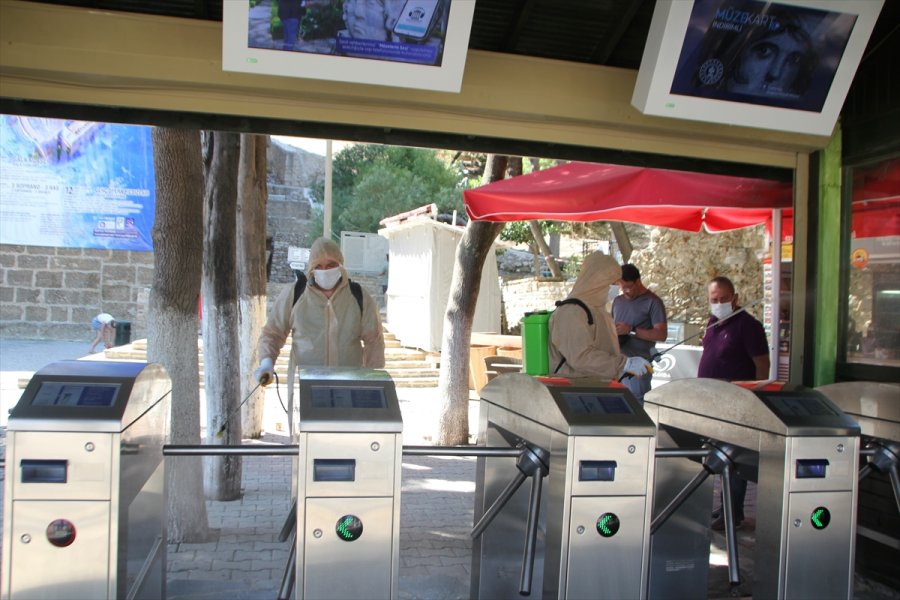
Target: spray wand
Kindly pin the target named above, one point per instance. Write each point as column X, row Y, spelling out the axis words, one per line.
column 224, row 426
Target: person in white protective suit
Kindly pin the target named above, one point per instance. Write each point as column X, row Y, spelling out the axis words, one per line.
column 583, row 340
column 331, row 325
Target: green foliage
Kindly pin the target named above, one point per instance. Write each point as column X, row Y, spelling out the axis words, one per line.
column 573, row 265
column 373, row 181
column 519, row 232
column 322, row 20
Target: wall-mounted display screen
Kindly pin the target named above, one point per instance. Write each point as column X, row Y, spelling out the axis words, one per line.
column 783, row 65
column 799, row 406
column 66, row 393
column 347, row 397
column 595, row 403
column 406, row 43
column 762, row 53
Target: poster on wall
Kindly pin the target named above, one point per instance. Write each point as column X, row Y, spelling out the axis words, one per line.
column 405, row 43
column 75, row 184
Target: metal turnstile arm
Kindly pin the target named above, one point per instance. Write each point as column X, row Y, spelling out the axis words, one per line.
column 895, row 483
column 534, row 511
column 290, row 571
column 678, row 500
column 290, row 524
column 498, row 504
column 231, row 450
column 532, row 462
column 884, row 457
column 734, row 571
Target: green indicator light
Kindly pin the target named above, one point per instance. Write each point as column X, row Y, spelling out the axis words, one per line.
column 820, row 517
column 348, row 528
column 608, row 525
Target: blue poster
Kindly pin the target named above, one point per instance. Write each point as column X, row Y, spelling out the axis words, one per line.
column 76, row 184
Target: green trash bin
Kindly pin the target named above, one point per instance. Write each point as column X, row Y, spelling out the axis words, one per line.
column 123, row 333
column 535, row 337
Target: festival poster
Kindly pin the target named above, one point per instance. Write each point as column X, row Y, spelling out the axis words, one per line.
column 76, row 184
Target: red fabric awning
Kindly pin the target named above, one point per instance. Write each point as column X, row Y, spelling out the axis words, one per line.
column 599, row 192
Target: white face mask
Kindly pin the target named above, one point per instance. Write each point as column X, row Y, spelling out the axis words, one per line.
column 327, row 278
column 613, row 292
column 721, row 311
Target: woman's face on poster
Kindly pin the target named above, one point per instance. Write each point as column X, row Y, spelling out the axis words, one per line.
column 771, row 66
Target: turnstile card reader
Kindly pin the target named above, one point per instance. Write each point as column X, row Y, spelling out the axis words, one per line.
column 84, row 505
column 348, row 498
column 594, row 515
column 803, row 451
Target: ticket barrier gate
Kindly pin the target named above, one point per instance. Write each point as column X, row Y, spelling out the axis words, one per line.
column 876, row 407
column 803, row 453
column 588, row 537
column 349, row 436
column 85, row 504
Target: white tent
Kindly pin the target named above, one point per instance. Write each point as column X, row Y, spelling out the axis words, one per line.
column 422, row 255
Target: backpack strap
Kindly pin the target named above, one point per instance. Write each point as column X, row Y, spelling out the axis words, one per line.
column 590, row 320
column 356, row 290
column 300, row 286
column 590, row 317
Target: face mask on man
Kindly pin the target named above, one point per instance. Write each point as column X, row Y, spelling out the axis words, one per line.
column 613, row 292
column 327, row 278
column 721, row 311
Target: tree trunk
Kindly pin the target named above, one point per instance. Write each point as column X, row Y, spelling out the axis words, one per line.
column 172, row 314
column 251, row 251
column 453, row 383
column 221, row 348
column 538, row 235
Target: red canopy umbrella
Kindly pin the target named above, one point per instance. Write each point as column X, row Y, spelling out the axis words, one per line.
column 599, row 192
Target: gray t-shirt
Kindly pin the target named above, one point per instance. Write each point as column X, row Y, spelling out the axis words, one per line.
column 642, row 312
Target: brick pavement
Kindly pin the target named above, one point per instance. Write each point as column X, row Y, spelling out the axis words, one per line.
column 245, row 560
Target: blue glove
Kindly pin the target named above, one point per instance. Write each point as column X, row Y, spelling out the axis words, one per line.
column 635, row 366
column 265, row 374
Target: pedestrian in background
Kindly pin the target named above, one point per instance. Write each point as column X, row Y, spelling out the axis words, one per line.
column 333, row 323
column 640, row 318
column 583, row 340
column 104, row 326
column 735, row 350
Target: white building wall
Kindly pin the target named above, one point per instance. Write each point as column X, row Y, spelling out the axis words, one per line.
column 422, row 257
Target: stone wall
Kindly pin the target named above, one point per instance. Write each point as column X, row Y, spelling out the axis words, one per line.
column 528, row 294
column 292, row 173
column 677, row 266
column 53, row 293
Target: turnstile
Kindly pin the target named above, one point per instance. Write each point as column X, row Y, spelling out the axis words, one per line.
column 596, row 446
column 802, row 451
column 85, row 503
column 348, row 485
column 876, row 407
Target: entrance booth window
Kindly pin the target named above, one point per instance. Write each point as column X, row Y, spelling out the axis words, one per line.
column 872, row 326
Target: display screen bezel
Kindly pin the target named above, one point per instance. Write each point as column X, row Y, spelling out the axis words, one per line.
column 75, row 394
